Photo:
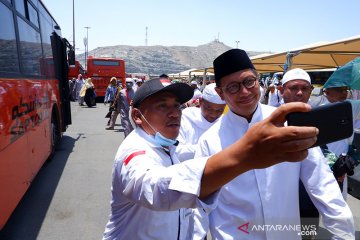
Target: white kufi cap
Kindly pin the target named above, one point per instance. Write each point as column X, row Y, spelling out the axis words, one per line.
column 129, row 80
column 209, row 94
column 296, row 74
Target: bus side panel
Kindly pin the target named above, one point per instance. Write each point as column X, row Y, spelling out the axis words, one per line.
column 40, row 94
column 25, row 114
column 15, row 171
column 15, row 177
column 73, row 71
column 100, row 84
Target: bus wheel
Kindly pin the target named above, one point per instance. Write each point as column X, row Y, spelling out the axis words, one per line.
column 55, row 132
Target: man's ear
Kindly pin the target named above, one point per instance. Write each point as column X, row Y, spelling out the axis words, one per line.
column 220, row 93
column 281, row 89
column 136, row 116
column 200, row 100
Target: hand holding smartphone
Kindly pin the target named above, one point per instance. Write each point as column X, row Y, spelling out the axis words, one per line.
column 334, row 121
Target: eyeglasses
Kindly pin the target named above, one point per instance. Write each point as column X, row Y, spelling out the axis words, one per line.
column 234, row 87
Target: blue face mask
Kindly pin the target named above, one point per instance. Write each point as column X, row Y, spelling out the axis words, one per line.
column 164, row 141
column 159, row 139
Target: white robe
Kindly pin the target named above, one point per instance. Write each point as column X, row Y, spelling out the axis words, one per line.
column 193, row 125
column 275, row 98
column 264, row 203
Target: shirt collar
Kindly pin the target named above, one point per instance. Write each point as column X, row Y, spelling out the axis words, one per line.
column 257, row 116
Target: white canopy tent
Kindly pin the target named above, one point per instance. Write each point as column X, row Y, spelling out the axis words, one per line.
column 190, row 73
column 322, row 55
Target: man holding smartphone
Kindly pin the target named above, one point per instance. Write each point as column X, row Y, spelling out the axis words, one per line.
column 264, row 204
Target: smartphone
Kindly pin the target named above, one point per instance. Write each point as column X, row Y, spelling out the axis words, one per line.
column 334, row 121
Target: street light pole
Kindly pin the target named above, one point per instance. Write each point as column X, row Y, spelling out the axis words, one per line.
column 86, row 45
column 237, row 44
column 74, row 25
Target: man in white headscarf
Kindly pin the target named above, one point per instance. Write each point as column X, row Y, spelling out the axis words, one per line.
column 195, row 121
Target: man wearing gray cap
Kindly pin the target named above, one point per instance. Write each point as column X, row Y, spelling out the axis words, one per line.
column 196, row 120
column 263, row 203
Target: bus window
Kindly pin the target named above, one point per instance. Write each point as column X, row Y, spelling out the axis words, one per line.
column 106, row 63
column 33, row 16
column 71, row 57
column 20, row 7
column 9, row 61
column 30, row 48
column 46, row 30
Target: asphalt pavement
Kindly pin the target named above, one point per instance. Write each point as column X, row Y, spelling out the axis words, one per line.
column 70, row 197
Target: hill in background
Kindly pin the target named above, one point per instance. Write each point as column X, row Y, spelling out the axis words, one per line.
column 155, row 60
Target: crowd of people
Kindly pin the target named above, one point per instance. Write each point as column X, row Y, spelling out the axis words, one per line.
column 82, row 91
column 120, row 100
column 186, row 169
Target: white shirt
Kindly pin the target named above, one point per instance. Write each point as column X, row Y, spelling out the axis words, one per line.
column 262, row 94
column 355, row 94
column 275, row 98
column 152, row 192
column 193, row 125
column 268, row 198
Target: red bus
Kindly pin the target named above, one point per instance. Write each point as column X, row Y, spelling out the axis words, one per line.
column 75, row 70
column 34, row 96
column 100, row 70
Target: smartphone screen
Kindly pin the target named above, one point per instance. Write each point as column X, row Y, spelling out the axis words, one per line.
column 334, row 121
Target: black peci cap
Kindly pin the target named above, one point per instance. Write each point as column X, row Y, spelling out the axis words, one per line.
column 182, row 90
column 229, row 62
column 163, row 76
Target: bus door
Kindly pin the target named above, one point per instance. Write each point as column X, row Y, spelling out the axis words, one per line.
column 59, row 47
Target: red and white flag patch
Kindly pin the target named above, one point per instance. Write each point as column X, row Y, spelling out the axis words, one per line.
column 131, row 156
column 165, row 82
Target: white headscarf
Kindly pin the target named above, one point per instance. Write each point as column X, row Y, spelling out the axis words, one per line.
column 209, row 94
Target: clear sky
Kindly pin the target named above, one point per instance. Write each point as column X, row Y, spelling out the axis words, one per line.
column 258, row 25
